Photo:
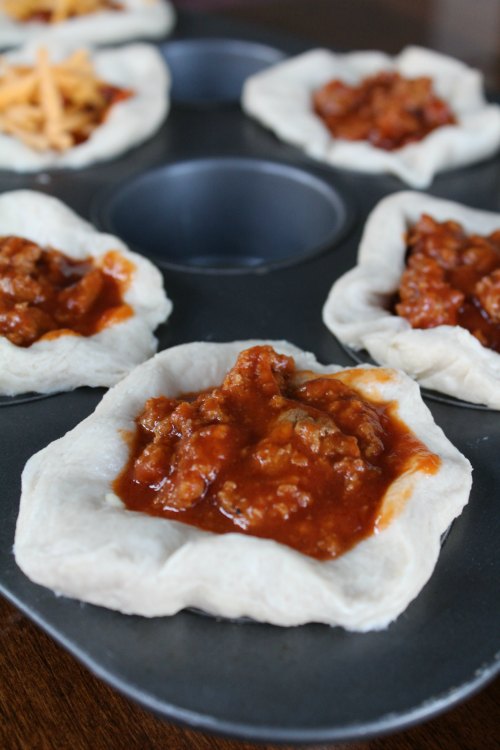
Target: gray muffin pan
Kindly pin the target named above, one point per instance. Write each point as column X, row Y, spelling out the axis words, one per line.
column 212, row 71
column 225, row 214
column 250, row 235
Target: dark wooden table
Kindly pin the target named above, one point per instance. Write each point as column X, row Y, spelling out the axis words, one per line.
column 47, row 700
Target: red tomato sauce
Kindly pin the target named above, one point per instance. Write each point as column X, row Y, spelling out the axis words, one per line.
column 386, row 110
column 272, row 452
column 43, row 293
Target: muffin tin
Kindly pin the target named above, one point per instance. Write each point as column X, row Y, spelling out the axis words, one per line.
column 254, row 256
column 225, row 214
column 196, row 65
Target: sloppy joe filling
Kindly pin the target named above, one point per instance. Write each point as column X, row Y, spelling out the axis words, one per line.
column 273, row 452
column 55, row 11
column 43, row 293
column 452, row 279
column 386, row 110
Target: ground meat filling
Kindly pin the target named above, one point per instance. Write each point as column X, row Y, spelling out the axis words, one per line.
column 452, row 279
column 43, row 293
column 386, row 110
column 294, row 457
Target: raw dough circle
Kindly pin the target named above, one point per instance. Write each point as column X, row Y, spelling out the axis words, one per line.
column 90, row 547
column 139, row 19
column 448, row 359
column 139, row 67
column 67, row 362
column 280, row 98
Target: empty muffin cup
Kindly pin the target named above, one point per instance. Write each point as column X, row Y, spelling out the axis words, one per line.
column 225, row 214
column 212, row 71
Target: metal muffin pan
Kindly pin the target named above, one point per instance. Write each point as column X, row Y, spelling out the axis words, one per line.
column 225, row 214
column 312, row 683
column 212, row 71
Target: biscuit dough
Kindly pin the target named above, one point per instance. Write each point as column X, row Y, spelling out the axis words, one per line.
column 139, row 67
column 281, row 99
column 67, row 362
column 91, row 548
column 139, row 19
column 446, row 358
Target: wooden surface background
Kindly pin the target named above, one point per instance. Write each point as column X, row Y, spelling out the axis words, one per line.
column 47, row 700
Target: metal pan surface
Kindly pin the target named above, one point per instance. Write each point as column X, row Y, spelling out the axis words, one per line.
column 312, row 683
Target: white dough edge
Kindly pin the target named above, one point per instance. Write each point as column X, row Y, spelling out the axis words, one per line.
column 74, row 535
column 67, row 362
column 139, row 67
column 448, row 359
column 139, row 19
column 281, row 99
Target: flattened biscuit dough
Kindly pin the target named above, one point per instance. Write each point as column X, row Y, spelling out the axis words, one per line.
column 139, row 19
column 91, row 548
column 139, row 67
column 281, row 99
column 446, row 358
column 67, row 362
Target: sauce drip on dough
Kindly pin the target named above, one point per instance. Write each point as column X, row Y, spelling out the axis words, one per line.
column 275, row 453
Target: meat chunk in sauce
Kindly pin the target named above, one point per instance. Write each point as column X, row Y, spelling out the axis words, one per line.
column 426, row 299
column 488, row 294
column 386, row 110
column 43, row 291
column 294, row 457
column 452, row 279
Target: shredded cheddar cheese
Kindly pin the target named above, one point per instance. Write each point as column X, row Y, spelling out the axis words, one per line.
column 54, row 106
